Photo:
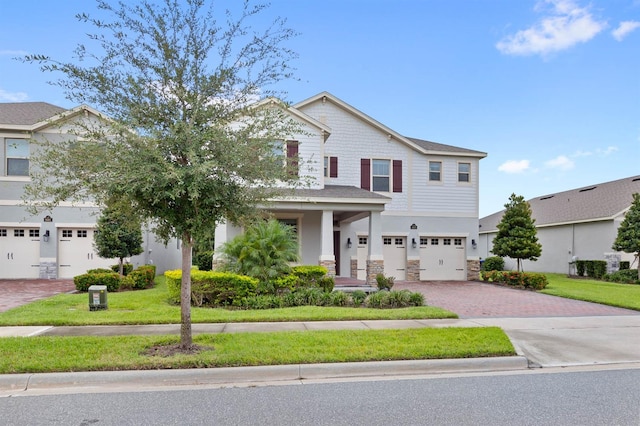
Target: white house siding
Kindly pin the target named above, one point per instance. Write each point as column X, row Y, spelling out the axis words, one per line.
column 310, row 148
column 586, row 241
column 353, row 139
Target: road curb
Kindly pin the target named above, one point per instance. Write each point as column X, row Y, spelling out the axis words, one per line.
column 15, row 384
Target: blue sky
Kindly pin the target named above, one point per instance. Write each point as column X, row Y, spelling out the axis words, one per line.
column 550, row 89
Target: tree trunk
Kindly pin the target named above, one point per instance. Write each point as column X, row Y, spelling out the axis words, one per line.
column 121, row 267
column 186, row 339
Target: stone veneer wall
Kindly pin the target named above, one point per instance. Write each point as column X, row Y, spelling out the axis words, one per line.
column 354, row 268
column 413, row 270
column 331, row 267
column 374, row 267
column 473, row 270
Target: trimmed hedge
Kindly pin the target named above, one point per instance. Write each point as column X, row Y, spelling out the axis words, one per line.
column 624, row 276
column 126, row 268
column 527, row 280
column 211, row 288
column 592, row 268
column 625, row 264
column 110, row 279
column 493, row 263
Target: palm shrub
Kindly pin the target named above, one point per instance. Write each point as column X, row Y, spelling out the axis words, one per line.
column 264, row 251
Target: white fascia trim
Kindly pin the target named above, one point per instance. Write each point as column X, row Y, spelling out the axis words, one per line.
column 20, row 224
column 445, row 234
column 321, row 200
column 429, row 214
column 87, row 225
column 20, row 203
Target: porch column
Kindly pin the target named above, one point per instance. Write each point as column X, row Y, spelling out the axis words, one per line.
column 375, row 260
column 327, row 257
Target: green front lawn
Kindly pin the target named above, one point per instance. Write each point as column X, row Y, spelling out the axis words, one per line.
column 613, row 294
column 151, row 307
column 53, row 354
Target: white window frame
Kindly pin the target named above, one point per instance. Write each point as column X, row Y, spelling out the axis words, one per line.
column 8, row 156
column 439, row 171
column 467, row 173
column 388, row 176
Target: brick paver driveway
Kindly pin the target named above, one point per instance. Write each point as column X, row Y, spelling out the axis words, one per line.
column 470, row 299
column 14, row 293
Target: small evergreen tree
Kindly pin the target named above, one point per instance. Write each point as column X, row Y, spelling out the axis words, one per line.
column 628, row 238
column 118, row 234
column 263, row 251
column 517, row 232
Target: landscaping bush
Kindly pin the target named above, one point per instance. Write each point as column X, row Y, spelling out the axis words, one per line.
column 358, row 297
column 138, row 279
column 210, row 288
column 150, row 273
column 624, row 265
column 384, row 283
column 340, row 298
column 596, row 268
column 309, row 274
column 493, row 263
column 580, row 267
column 204, row 260
column 126, row 268
column 393, row 299
column 280, row 285
column 99, row 271
column 527, row 280
column 326, row 283
column 109, row 279
column 624, row 276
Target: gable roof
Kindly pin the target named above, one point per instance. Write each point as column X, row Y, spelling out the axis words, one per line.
column 34, row 116
column 422, row 146
column 603, row 201
column 27, row 113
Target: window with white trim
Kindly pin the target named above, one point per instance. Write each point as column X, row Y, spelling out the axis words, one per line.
column 435, row 171
column 464, row 172
column 380, row 173
column 17, row 155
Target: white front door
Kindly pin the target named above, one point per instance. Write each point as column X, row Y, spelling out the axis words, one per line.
column 20, row 253
column 76, row 254
column 394, row 252
column 442, row 258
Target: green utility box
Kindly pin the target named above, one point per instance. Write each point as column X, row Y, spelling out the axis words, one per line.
column 97, row 297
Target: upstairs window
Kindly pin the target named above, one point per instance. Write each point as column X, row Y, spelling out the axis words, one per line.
column 381, row 175
column 17, row 155
column 464, row 172
column 331, row 167
column 288, row 151
column 435, row 171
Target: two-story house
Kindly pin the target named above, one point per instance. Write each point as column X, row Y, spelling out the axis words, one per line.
column 378, row 202
column 59, row 243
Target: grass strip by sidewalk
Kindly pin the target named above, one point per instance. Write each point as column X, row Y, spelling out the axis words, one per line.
column 63, row 354
column 606, row 293
column 151, row 307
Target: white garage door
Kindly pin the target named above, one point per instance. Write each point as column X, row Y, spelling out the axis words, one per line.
column 394, row 251
column 76, row 254
column 363, row 251
column 442, row 258
column 20, row 253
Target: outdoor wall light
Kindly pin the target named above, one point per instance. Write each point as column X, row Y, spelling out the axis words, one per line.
column 473, row 244
column 45, row 237
column 349, row 242
column 413, row 243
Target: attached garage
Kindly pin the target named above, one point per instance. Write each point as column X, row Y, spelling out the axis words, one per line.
column 76, row 254
column 20, row 256
column 442, row 258
column 394, row 251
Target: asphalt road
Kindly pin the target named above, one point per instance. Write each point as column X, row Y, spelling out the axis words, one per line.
column 536, row 397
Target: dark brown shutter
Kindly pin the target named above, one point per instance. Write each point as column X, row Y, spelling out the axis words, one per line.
column 365, row 174
column 292, row 158
column 397, row 175
column 333, row 167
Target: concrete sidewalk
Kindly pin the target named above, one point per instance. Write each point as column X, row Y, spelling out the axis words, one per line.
column 539, row 342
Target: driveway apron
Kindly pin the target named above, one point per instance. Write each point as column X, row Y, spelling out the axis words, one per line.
column 14, row 293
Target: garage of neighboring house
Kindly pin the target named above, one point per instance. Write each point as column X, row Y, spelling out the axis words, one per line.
column 76, row 254
column 442, row 258
column 20, row 252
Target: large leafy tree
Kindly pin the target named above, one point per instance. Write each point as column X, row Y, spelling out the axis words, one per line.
column 184, row 141
column 628, row 238
column 119, row 233
column 517, row 235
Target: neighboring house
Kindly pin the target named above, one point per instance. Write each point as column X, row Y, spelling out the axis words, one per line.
column 580, row 223
column 378, row 202
column 56, row 244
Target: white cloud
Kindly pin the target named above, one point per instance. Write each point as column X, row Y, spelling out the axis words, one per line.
column 13, row 97
column 13, row 53
column 561, row 162
column 514, row 166
column 566, row 25
column 608, row 150
column 624, row 29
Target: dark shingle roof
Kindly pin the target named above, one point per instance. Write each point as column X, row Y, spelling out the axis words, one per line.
column 338, row 191
column 27, row 113
column 593, row 202
column 434, row 146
